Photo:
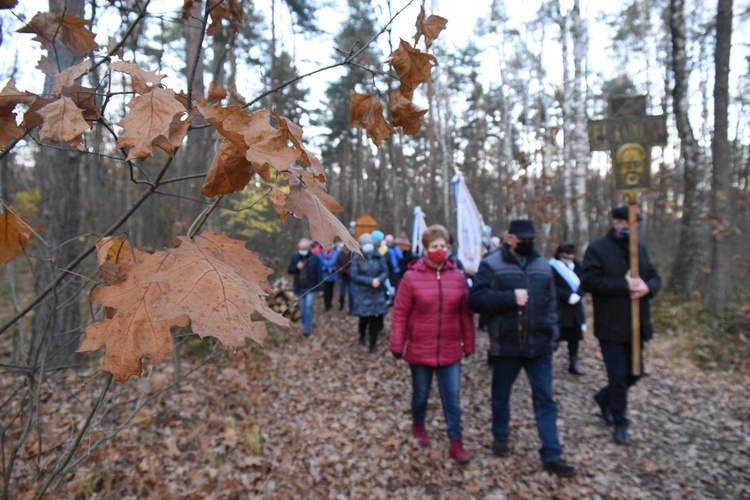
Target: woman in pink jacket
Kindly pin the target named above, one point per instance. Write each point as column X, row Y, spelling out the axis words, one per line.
column 432, row 329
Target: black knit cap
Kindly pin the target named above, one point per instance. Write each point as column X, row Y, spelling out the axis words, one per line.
column 522, row 228
column 622, row 213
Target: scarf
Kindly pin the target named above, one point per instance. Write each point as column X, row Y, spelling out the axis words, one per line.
column 566, row 273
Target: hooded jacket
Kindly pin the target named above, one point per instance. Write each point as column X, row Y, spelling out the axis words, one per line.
column 528, row 331
column 432, row 324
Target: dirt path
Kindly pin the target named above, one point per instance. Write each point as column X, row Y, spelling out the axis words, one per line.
column 323, row 418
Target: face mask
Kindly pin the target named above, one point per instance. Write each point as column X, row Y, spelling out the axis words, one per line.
column 524, row 248
column 368, row 247
column 303, row 252
column 625, row 232
column 437, row 256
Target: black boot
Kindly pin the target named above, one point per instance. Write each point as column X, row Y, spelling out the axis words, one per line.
column 573, row 352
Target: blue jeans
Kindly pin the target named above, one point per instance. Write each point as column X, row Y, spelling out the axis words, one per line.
column 618, row 359
column 449, row 383
column 539, row 371
column 306, row 299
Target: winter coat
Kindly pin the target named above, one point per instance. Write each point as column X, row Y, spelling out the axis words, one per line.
column 313, row 272
column 344, row 264
column 571, row 315
column 605, row 265
column 528, row 331
column 328, row 261
column 369, row 301
column 432, row 324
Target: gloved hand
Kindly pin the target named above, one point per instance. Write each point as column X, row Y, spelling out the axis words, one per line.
column 574, row 299
column 398, row 355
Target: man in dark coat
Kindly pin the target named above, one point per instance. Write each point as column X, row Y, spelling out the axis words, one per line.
column 515, row 289
column 308, row 274
column 605, row 275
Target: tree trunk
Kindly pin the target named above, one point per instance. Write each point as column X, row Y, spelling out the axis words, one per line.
column 721, row 196
column 197, row 139
column 686, row 265
column 57, row 320
column 581, row 141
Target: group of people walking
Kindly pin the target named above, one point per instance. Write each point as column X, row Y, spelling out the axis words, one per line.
column 530, row 305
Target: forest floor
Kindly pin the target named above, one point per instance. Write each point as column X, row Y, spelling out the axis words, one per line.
column 321, row 417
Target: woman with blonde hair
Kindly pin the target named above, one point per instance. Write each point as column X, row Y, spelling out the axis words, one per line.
column 432, row 329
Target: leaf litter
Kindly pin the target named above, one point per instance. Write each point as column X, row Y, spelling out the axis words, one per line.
column 321, row 417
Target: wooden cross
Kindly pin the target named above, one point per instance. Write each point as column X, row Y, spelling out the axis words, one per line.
column 629, row 135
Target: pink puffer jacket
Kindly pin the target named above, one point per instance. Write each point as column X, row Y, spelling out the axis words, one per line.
column 431, row 323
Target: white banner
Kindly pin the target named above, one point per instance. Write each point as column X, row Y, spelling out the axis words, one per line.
column 470, row 226
column 416, row 233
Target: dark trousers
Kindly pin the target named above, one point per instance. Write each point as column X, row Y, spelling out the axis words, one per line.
column 328, row 294
column 618, row 358
column 372, row 323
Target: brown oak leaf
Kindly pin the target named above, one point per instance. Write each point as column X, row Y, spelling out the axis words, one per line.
column 70, row 29
column 324, row 226
column 9, row 98
column 63, row 122
column 32, row 118
column 216, row 92
column 277, row 197
column 114, row 48
column 111, row 253
column 297, row 175
column 293, row 132
column 8, row 4
column 154, row 121
column 413, row 67
column 85, row 98
column 143, row 81
column 132, row 334
column 367, row 112
column 252, row 133
column 15, row 234
column 216, row 284
column 230, row 171
column 68, row 77
column 430, row 28
column 406, row 115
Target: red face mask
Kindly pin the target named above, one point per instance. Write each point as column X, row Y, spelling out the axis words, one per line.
column 437, row 256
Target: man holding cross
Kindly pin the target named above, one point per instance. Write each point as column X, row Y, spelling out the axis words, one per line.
column 606, row 276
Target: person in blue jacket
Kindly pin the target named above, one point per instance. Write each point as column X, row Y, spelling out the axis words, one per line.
column 328, row 261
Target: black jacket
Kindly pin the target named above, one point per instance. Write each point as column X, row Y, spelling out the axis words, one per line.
column 605, row 266
column 313, row 271
column 528, row 331
column 571, row 315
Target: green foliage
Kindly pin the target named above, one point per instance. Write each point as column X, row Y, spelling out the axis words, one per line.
column 27, row 202
column 690, row 333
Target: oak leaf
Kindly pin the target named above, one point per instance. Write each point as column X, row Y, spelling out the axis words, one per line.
column 413, row 67
column 9, row 98
column 293, row 132
column 111, row 253
column 216, row 282
column 15, row 234
column 63, row 122
column 143, row 81
column 114, row 48
column 430, row 28
column 154, row 121
column 68, row 77
column 84, row 98
column 48, row 66
column 253, row 134
column 230, row 171
column 32, row 118
column 277, row 197
column 367, row 112
column 216, row 92
column 406, row 115
column 68, row 28
column 8, row 4
column 324, row 226
column 132, row 335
